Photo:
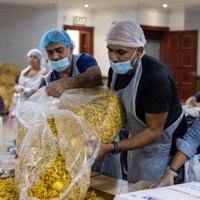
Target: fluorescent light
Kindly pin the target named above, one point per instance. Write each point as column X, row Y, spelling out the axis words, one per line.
column 86, row 5
column 165, row 5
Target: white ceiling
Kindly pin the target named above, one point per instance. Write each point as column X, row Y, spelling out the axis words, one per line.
column 108, row 4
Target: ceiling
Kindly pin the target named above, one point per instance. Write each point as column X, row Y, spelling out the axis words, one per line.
column 108, row 4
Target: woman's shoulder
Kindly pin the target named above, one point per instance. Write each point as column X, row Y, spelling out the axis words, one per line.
column 26, row 69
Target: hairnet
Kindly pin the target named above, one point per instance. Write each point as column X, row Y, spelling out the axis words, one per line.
column 125, row 33
column 35, row 52
column 54, row 35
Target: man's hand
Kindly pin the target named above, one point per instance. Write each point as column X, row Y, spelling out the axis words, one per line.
column 55, row 88
column 104, row 149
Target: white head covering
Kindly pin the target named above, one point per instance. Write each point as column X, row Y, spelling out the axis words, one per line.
column 125, row 33
column 35, row 52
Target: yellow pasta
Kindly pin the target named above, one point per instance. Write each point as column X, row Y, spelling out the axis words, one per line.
column 143, row 188
column 49, row 164
column 100, row 106
column 56, row 178
column 7, row 189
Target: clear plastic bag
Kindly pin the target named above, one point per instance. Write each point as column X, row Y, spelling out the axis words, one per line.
column 99, row 105
column 56, row 149
column 192, row 169
column 190, row 113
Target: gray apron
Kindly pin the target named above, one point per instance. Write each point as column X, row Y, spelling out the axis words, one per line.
column 148, row 163
column 110, row 165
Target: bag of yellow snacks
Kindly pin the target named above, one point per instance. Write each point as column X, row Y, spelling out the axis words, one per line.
column 99, row 105
column 56, row 149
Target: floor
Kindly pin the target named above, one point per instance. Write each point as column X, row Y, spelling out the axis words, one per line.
column 6, row 133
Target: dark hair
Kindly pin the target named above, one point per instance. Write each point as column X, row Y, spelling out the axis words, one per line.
column 17, row 79
column 2, row 105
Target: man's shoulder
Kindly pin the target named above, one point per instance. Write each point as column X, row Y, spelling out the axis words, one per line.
column 85, row 59
column 147, row 59
column 155, row 66
column 84, row 56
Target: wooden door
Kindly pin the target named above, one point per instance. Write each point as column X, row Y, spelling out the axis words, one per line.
column 180, row 54
column 86, row 35
column 84, row 42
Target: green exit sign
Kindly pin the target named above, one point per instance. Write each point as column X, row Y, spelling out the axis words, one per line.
column 79, row 20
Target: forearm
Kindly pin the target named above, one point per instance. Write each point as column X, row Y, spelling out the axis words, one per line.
column 191, row 101
column 139, row 140
column 90, row 78
column 178, row 160
column 85, row 80
column 150, row 134
column 191, row 140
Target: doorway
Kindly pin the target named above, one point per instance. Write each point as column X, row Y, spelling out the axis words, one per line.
column 85, row 39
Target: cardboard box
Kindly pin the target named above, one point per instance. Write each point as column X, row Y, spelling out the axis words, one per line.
column 186, row 191
column 110, row 185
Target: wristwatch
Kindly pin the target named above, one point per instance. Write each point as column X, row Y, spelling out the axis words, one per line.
column 116, row 149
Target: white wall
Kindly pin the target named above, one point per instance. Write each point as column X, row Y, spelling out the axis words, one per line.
column 144, row 16
column 198, row 55
column 24, row 27
column 65, row 16
column 21, row 29
column 192, row 19
column 176, row 20
column 153, row 16
column 102, row 21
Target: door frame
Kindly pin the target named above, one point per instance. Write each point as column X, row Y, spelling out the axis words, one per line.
column 156, row 33
column 89, row 29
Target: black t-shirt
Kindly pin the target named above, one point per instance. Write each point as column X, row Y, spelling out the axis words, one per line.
column 157, row 92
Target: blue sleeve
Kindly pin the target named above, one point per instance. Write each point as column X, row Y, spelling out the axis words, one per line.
column 44, row 83
column 197, row 96
column 85, row 61
column 191, row 140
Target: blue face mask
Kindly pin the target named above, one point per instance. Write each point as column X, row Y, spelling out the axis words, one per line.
column 123, row 67
column 60, row 65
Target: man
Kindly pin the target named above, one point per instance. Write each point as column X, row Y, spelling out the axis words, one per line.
column 187, row 148
column 68, row 70
column 148, row 93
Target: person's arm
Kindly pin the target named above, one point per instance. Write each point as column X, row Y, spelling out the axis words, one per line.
column 152, row 132
column 90, row 78
column 191, row 101
column 187, row 147
column 178, row 160
column 168, row 178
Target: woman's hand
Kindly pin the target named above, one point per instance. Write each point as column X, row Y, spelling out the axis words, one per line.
column 19, row 89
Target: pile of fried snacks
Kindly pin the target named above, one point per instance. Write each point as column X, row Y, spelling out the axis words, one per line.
column 53, row 182
column 143, row 188
column 8, row 191
column 100, row 106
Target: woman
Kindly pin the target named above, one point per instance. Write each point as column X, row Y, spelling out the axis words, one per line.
column 28, row 83
column 31, row 77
